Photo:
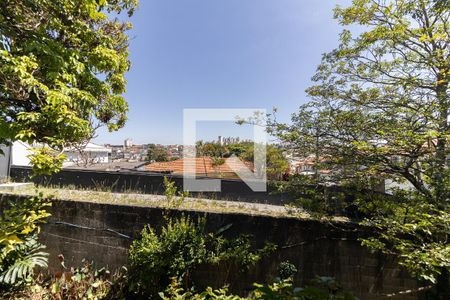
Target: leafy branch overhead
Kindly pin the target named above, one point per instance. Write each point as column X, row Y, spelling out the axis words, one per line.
column 380, row 112
column 62, row 66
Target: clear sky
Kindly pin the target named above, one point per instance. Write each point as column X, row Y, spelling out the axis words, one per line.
column 220, row 54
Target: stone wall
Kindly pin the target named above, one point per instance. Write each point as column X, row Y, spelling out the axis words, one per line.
column 102, row 234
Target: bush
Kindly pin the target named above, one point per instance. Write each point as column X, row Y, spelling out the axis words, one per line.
column 327, row 289
column 154, row 259
column 286, row 270
column 20, row 252
column 181, row 247
column 82, row 283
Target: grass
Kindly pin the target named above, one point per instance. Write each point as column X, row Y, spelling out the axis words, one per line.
column 161, row 201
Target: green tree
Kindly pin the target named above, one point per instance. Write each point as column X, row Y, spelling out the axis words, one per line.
column 211, row 149
column 276, row 162
column 383, row 99
column 62, row 66
column 157, row 153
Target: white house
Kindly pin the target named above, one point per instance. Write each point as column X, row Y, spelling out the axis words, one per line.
column 90, row 154
column 19, row 154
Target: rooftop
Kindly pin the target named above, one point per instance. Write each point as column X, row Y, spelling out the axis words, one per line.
column 202, row 165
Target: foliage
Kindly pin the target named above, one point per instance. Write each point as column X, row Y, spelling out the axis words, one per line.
column 414, row 228
column 285, row 290
column 45, row 160
column 286, row 270
column 276, row 166
column 179, row 249
column 154, row 259
column 62, row 67
column 20, row 251
column 380, row 112
column 21, row 262
column 176, row 292
column 211, row 149
column 82, row 283
column 328, row 289
column 217, row 161
column 174, row 197
column 276, row 162
column 235, row 255
column 319, row 200
column 157, row 153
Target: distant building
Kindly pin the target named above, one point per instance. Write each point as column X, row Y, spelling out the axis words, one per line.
column 306, row 166
column 128, row 143
column 223, row 141
column 174, row 151
column 87, row 155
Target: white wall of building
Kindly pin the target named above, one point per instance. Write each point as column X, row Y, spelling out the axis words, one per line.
column 19, row 154
column 97, row 154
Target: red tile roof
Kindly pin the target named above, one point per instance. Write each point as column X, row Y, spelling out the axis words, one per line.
column 202, row 165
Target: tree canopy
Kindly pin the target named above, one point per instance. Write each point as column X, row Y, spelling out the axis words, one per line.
column 276, row 162
column 157, row 153
column 62, row 66
column 380, row 109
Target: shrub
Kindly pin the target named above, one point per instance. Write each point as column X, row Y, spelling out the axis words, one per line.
column 154, row 259
column 282, row 290
column 20, row 251
column 82, row 283
column 325, row 289
column 286, row 270
column 174, row 197
column 179, row 249
column 176, row 292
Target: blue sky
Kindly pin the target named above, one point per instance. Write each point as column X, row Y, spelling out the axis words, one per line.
column 220, row 54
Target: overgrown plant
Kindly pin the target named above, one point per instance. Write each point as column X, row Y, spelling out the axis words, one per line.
column 287, row 270
column 181, row 247
column 380, row 112
column 79, row 283
column 175, row 291
column 319, row 200
column 83, row 283
column 325, row 288
column 407, row 224
column 174, row 197
column 20, row 250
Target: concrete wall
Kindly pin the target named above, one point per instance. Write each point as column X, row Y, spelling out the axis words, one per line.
column 141, row 182
column 102, row 233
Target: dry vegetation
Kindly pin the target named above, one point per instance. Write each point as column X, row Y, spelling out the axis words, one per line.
column 161, row 201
